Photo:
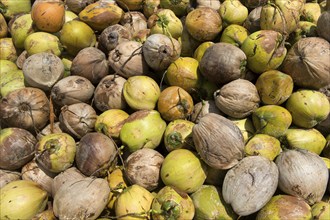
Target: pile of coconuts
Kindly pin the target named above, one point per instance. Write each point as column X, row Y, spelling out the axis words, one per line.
column 161, row 109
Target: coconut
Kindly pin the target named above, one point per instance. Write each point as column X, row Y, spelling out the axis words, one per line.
column 252, row 22
column 50, row 128
column 263, row 145
column 76, row 35
column 13, row 7
column 10, row 81
column 178, row 134
column 159, row 51
column 26, row 108
column 77, row 5
column 188, row 43
column 234, row 34
column 113, row 35
column 43, row 70
column 4, row 27
column 172, row 203
column 101, row 14
column 131, row 5
column 108, row 93
column 38, row 42
column 323, row 25
column 55, row 152
column 134, row 21
column 96, row 153
column 321, row 210
column 71, row 90
column 203, row 23
column 249, row 185
column 142, row 129
column 8, row 50
column 117, row 183
column 150, row 7
column 233, row 12
column 141, row 92
column 200, row 50
column 209, row 204
column 127, row 59
column 202, row 108
column 90, row 63
column 183, row 170
column 133, row 203
column 20, row 29
column 303, row 174
column 264, row 50
column 175, row 103
column 308, row 107
column 83, row 199
column 77, row 119
column 142, row 167
column 238, row 98
column 307, row 63
column 218, row 141
column 304, row 29
column 274, row 87
column 22, row 199
column 110, row 122
column 285, row 207
column 223, row 63
column 273, row 120
column 308, row 139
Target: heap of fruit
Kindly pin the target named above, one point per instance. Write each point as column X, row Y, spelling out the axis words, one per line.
column 164, row 109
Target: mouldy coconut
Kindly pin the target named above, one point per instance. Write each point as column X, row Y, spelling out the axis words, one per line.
column 127, row 59
column 223, row 63
column 264, row 50
column 71, row 90
column 95, row 154
column 172, row 203
column 142, row 129
column 218, row 141
column 43, row 70
column 142, row 167
column 90, row 63
column 133, row 203
column 22, row 199
column 159, row 51
column 55, row 152
column 238, row 98
column 203, row 24
column 83, row 199
column 308, row 64
column 108, row 93
column 249, row 185
column 285, row 207
column 273, row 120
column 183, row 170
column 303, row 174
column 77, row 119
column 308, row 107
column 26, row 108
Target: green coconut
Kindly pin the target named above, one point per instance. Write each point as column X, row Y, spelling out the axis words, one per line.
column 234, row 34
column 209, row 204
column 304, row 29
column 183, row 170
column 233, row 12
column 171, row 203
column 274, row 87
column 308, row 139
column 264, row 50
column 311, row 12
column 321, row 210
column 200, row 50
column 178, row 134
column 273, row 120
column 179, row 7
column 246, row 127
column 142, row 129
column 8, row 50
column 20, row 29
column 11, row 81
column 308, row 107
column 38, row 42
column 263, row 145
